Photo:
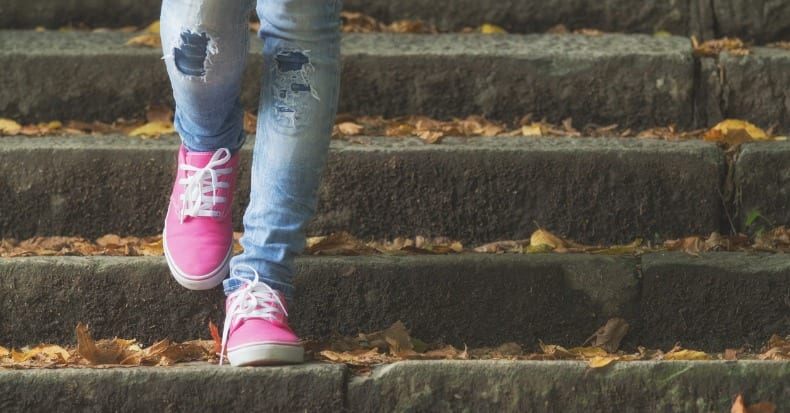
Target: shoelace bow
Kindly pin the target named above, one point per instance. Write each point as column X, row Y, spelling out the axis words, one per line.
column 194, row 201
column 252, row 300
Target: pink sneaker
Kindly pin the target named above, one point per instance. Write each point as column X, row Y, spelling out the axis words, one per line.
column 256, row 328
column 198, row 234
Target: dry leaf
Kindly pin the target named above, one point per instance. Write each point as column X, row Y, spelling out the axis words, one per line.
column 153, row 130
column 9, row 127
column 735, row 132
column 350, row 129
column 543, row 237
column 598, row 362
column 152, row 40
column 739, row 407
column 50, row 351
column 101, row 352
column 557, row 352
column 691, row 355
column 609, row 336
column 431, row 137
column 215, row 336
column 491, row 29
column 712, row 48
column 341, row 243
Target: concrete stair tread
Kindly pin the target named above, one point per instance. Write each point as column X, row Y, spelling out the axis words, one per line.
column 425, row 386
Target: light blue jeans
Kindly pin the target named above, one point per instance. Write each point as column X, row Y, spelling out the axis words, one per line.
column 205, row 45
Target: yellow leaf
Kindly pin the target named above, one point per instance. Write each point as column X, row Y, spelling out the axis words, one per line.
column 55, row 124
column 4, row 352
column 9, row 127
column 153, row 27
column 662, row 33
column 620, row 249
column 154, row 129
column 491, row 29
column 533, row 129
column 41, row 29
column 543, row 237
column 52, row 352
column 690, row 355
column 147, row 39
column 735, row 131
column 350, row 128
column 599, row 362
column 589, row 352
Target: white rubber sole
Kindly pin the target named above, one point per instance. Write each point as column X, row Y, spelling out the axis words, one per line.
column 205, row 282
column 266, row 354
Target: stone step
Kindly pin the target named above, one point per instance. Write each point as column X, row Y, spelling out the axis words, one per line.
column 635, row 81
column 474, row 190
column 501, row 77
column 711, row 302
column 506, row 386
column 760, row 20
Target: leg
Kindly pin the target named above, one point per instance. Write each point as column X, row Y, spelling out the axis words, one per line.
column 205, row 46
column 297, row 110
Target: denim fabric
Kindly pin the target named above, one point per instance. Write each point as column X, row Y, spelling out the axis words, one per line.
column 205, row 44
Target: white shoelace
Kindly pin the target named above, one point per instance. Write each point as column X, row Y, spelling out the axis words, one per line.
column 253, row 300
column 196, row 201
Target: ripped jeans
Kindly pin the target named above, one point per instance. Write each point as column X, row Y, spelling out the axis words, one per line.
column 205, row 44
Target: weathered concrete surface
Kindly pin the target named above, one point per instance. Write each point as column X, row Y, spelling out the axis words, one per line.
column 643, row 387
column 762, row 177
column 756, row 20
column 506, row 76
column 502, row 77
column 755, row 87
column 529, row 16
column 559, row 298
column 43, row 299
column 719, row 301
column 440, row 386
column 477, row 190
column 53, row 14
column 192, row 388
column 468, row 299
column 716, row 301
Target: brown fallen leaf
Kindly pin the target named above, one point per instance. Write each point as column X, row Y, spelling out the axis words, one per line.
column 103, row 351
column 49, row 352
column 341, row 243
column 215, row 336
column 678, row 353
column 712, row 48
column 609, row 336
column 738, row 406
column 152, row 40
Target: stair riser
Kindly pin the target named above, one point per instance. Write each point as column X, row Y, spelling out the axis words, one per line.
column 475, row 191
column 466, row 299
column 499, row 77
column 763, row 20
